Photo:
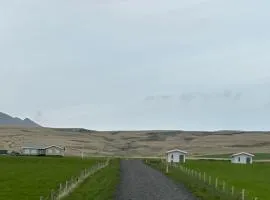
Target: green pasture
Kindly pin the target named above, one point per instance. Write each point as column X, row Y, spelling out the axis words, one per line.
column 28, row 178
column 255, row 179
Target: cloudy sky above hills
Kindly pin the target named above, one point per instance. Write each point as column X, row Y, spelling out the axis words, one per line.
column 190, row 64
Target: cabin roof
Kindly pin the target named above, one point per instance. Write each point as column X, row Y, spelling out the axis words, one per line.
column 242, row 153
column 176, row 150
column 41, row 147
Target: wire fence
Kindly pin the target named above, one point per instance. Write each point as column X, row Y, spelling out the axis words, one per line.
column 217, row 185
column 205, row 182
column 68, row 186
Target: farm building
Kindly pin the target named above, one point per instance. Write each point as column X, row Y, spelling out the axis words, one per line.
column 242, row 158
column 176, row 156
column 3, row 152
column 52, row 150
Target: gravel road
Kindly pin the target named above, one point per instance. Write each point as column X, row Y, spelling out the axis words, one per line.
column 141, row 182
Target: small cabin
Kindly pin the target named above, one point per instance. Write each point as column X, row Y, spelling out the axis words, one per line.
column 242, row 158
column 176, row 156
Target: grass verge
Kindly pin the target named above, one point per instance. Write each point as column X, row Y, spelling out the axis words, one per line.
column 99, row 186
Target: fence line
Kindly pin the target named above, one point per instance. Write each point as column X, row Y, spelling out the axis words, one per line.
column 219, row 185
column 214, row 185
column 65, row 189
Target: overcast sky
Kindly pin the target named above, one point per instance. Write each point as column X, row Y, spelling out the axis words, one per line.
column 137, row 64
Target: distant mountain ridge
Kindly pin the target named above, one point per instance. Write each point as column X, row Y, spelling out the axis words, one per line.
column 6, row 119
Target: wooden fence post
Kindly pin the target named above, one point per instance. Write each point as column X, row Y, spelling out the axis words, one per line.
column 216, row 184
column 204, row 175
column 41, row 198
column 232, row 190
column 72, row 181
column 66, row 185
column 167, row 168
column 223, row 186
column 209, row 180
column 243, row 194
column 52, row 195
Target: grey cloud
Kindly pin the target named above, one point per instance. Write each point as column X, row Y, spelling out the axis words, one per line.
column 93, row 63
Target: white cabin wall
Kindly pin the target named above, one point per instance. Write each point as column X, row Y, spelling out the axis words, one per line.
column 176, row 157
column 243, row 159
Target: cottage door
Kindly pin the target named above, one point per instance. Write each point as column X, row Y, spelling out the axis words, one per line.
column 172, row 159
column 181, row 158
column 248, row 160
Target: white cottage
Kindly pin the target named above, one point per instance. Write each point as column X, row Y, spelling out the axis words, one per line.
column 52, row 150
column 176, row 156
column 242, row 158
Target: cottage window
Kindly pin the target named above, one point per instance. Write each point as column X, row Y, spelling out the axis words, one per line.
column 239, row 159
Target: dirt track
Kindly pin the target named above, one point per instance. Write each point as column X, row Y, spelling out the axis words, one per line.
column 141, row 182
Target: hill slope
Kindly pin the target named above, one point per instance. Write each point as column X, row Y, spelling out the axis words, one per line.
column 7, row 120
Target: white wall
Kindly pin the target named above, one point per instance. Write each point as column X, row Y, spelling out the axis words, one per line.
column 26, row 151
column 54, row 151
column 241, row 159
column 30, row 151
column 176, row 156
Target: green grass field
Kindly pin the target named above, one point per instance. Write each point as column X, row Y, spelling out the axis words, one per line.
column 28, row 178
column 258, row 156
column 100, row 186
column 254, row 178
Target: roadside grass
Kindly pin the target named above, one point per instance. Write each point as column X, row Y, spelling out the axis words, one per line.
column 257, row 156
column 28, row 178
column 255, row 179
column 99, row 186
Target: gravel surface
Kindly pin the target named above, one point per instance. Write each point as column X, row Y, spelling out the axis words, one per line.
column 141, row 182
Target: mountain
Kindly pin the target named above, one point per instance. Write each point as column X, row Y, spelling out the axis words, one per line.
column 6, row 119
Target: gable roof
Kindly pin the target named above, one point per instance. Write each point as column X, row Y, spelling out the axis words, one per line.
column 242, row 153
column 176, row 150
column 34, row 147
column 41, row 147
column 54, row 146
